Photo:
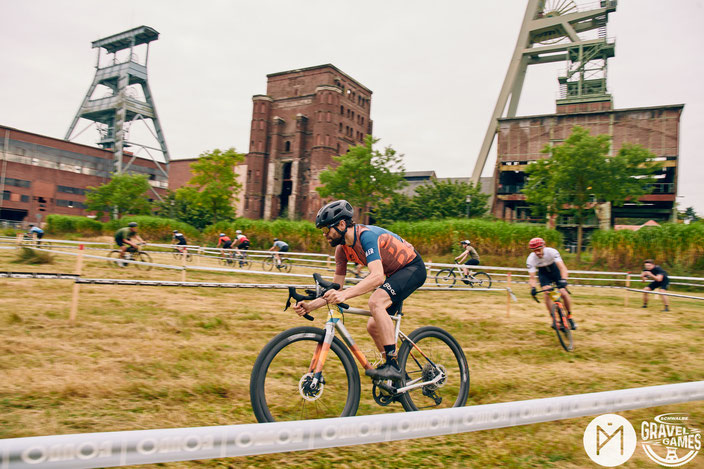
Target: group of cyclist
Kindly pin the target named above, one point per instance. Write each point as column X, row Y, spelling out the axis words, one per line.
column 396, row 270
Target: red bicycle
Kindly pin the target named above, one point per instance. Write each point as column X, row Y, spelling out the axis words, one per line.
column 559, row 317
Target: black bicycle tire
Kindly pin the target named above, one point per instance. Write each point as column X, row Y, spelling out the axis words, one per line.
column 142, row 257
column 450, row 274
column 261, row 365
column 176, row 253
column 432, row 331
column 268, row 264
column 483, row 283
column 114, row 254
column 559, row 326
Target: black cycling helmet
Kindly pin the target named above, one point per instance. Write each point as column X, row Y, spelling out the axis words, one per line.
column 334, row 212
column 276, row 239
column 132, row 224
column 175, row 231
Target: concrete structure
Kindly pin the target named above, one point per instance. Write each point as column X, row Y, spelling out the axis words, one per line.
column 120, row 96
column 521, row 140
column 306, row 117
column 41, row 175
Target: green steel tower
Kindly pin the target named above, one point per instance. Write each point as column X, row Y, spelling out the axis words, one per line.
column 127, row 98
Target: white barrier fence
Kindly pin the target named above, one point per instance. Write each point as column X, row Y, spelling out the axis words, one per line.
column 90, row 450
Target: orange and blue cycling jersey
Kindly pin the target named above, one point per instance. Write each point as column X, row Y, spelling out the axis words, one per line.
column 374, row 243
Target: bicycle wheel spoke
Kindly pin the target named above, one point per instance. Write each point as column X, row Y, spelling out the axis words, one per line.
column 286, row 392
column 441, row 357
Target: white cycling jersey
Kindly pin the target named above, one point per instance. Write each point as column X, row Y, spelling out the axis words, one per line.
column 550, row 255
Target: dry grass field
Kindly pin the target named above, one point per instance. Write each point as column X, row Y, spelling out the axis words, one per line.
column 160, row 357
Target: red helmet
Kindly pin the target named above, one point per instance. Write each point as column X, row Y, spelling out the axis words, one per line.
column 536, row 243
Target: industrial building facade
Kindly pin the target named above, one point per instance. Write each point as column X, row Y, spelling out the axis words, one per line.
column 522, row 139
column 306, row 117
column 41, row 175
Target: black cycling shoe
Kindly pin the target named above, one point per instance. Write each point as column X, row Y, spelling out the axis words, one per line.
column 384, row 372
column 573, row 326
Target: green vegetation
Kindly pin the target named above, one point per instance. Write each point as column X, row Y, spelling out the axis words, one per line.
column 580, row 173
column 59, row 224
column 364, row 176
column 31, row 256
column 676, row 245
column 490, row 237
column 125, row 193
column 445, row 199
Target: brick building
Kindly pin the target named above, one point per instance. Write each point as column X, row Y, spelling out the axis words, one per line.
column 521, row 139
column 306, row 117
column 41, row 175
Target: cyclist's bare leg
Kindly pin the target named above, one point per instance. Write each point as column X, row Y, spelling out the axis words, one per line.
column 278, row 259
column 645, row 296
column 465, row 271
column 567, row 300
column 380, row 326
column 665, row 301
column 548, row 302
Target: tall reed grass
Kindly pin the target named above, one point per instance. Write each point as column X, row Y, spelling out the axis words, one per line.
column 670, row 244
column 489, row 237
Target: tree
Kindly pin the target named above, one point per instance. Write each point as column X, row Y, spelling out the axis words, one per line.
column 124, row 194
column 364, row 176
column 448, row 199
column 215, row 184
column 183, row 205
column 580, row 173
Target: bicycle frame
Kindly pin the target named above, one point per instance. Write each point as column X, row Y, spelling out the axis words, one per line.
column 556, row 297
column 334, row 316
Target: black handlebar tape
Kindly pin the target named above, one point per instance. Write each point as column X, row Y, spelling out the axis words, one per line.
column 308, row 317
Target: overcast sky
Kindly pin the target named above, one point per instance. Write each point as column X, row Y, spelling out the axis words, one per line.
column 435, row 68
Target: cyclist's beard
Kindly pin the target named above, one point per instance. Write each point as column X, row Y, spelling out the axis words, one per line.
column 341, row 239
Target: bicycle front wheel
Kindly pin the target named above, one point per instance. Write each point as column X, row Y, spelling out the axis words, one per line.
column 280, row 385
column 562, row 329
column 445, row 278
column 481, row 280
column 436, row 354
column 142, row 257
column 114, row 261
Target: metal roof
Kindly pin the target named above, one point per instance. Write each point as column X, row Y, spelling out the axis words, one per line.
column 123, row 40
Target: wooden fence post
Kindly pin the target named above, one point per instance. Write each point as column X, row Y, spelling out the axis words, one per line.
column 508, row 294
column 198, row 254
column 628, row 285
column 76, row 285
column 19, row 240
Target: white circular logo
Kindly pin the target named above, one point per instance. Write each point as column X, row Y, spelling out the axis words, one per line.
column 610, row 440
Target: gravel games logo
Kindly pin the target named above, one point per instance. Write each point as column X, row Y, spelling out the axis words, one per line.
column 670, row 440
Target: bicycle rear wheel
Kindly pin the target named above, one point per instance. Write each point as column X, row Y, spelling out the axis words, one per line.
column 142, row 257
column 480, row 280
column 285, row 265
column 279, row 386
column 445, row 278
column 562, row 329
column 441, row 354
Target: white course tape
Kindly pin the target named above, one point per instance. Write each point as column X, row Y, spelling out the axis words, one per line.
column 184, row 444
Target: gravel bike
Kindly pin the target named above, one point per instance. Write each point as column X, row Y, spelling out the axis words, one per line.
column 132, row 254
column 448, row 278
column 30, row 242
column 558, row 315
column 270, row 262
column 309, row 373
column 236, row 260
column 178, row 254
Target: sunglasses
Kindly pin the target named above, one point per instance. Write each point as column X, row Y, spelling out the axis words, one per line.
column 326, row 230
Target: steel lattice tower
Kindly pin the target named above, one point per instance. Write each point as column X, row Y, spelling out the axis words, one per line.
column 552, row 31
column 122, row 106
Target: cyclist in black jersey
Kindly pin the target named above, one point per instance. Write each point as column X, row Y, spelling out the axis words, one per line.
column 660, row 281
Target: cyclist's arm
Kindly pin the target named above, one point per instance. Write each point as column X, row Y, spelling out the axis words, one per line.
column 462, row 256
column 563, row 269
column 375, row 278
column 531, row 280
column 304, row 307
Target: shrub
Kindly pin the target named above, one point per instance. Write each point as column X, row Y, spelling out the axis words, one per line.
column 56, row 224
